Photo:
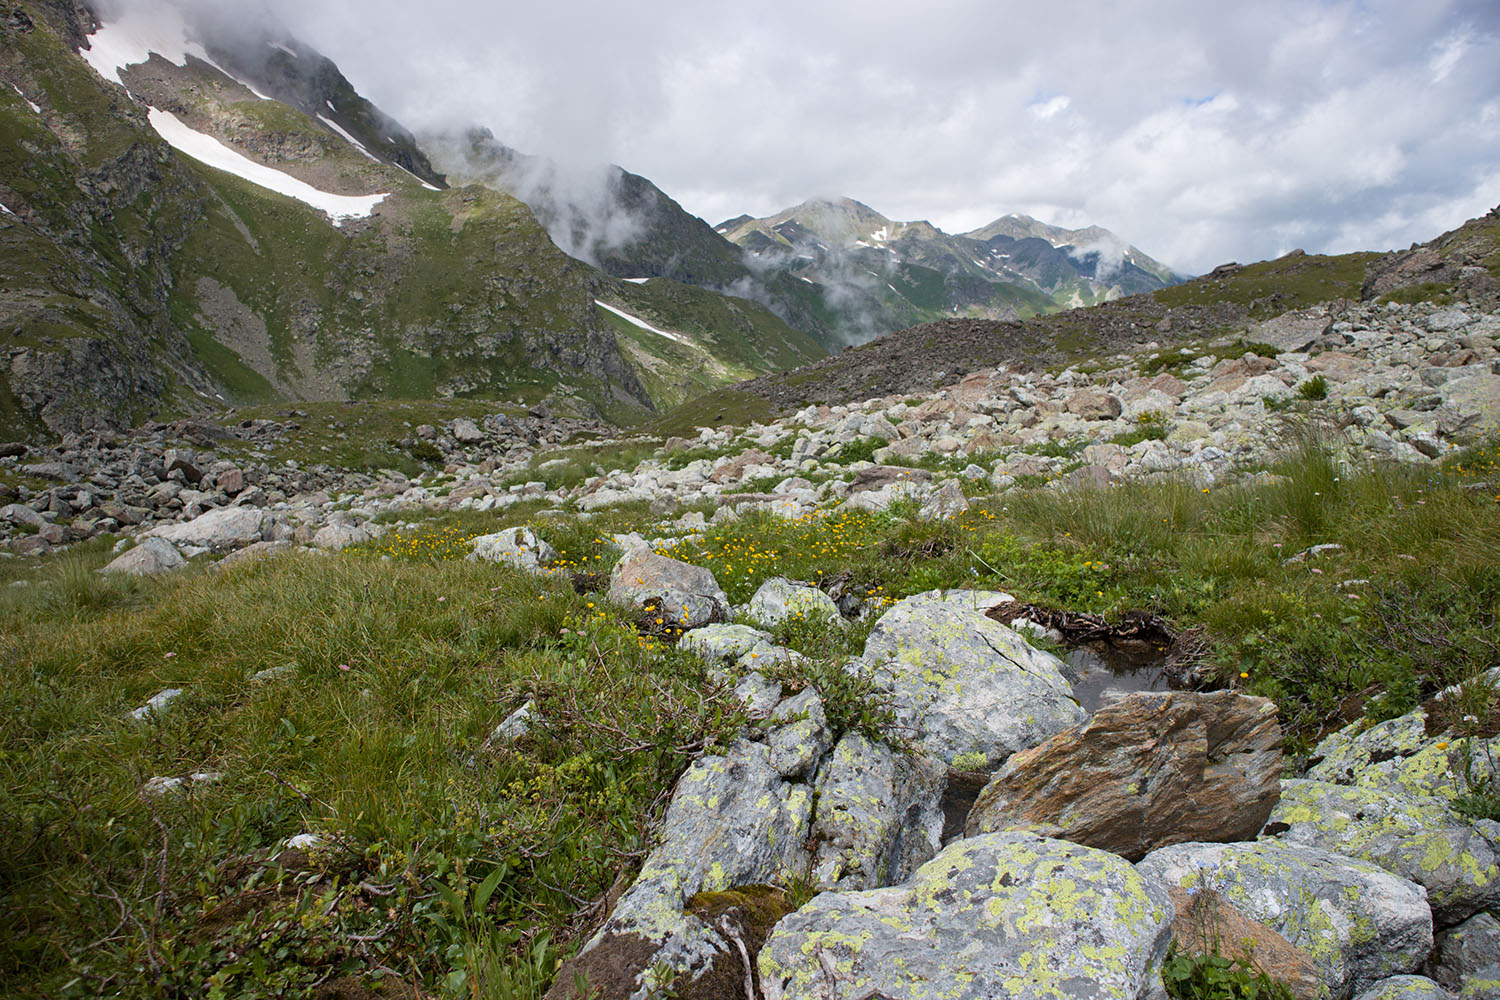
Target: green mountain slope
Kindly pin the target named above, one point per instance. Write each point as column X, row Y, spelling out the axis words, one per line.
column 137, row 281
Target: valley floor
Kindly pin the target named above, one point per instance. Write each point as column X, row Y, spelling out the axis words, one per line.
column 331, row 805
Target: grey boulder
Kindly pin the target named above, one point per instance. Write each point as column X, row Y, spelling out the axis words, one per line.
column 732, row 822
column 150, row 557
column 1415, row 838
column 1005, row 914
column 519, row 547
column 1463, row 953
column 879, row 814
column 971, row 690
column 778, row 600
column 689, row 595
column 220, row 530
column 1359, row 923
column 1405, row 988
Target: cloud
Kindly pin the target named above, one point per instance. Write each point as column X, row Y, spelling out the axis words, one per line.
column 1199, row 132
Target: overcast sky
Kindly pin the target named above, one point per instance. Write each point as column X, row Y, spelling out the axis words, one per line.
column 1201, row 130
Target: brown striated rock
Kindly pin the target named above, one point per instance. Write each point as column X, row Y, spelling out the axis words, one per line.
column 1152, row 769
column 1206, row 924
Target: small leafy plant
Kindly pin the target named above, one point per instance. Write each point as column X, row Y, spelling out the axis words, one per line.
column 1314, row 388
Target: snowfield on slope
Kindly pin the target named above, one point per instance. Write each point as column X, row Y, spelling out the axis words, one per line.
column 141, row 31
column 347, row 137
column 642, row 323
column 208, row 150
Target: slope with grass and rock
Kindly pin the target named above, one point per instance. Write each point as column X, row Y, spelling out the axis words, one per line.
column 1004, row 680
column 508, row 721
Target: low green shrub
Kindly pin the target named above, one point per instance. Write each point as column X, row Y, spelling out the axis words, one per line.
column 1314, row 388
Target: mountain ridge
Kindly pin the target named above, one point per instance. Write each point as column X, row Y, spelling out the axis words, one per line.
column 180, row 239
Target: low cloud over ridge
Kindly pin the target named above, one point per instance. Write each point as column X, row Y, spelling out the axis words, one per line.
column 1199, row 132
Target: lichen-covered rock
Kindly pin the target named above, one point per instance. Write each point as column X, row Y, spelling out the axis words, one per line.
column 1482, row 985
column 779, row 600
column 946, row 502
column 1415, row 838
column 1463, row 952
column 724, row 642
column 1151, row 769
column 759, row 694
column 1405, row 988
column 519, row 547
column 732, row 822
column 879, row 814
column 690, row 596
column 1343, row 755
column 150, row 557
column 801, row 735
column 1005, row 914
column 964, row 684
column 1359, row 923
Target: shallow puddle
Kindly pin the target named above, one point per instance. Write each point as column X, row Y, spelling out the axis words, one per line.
column 1100, row 672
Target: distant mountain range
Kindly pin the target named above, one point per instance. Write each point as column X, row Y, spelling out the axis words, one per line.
column 836, row 269
column 896, row 274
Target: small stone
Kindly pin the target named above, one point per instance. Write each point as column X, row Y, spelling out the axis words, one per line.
column 155, row 705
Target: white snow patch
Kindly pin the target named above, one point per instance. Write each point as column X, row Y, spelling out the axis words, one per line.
column 142, row 31
column 33, row 105
column 891, row 287
column 881, row 235
column 331, row 107
column 7, row 211
column 409, row 173
column 207, row 149
column 808, row 280
column 283, row 48
column 642, row 323
column 637, row 281
column 348, row 138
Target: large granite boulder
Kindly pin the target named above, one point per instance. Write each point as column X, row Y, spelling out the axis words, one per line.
column 1148, row 770
column 1001, row 915
column 733, row 822
column 969, row 689
column 778, row 600
column 1415, row 838
column 221, row 530
column 1359, row 923
column 151, row 557
column 689, row 595
column 879, row 814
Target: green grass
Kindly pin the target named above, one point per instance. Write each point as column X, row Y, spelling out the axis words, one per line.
column 374, row 740
column 715, row 409
column 1271, row 287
